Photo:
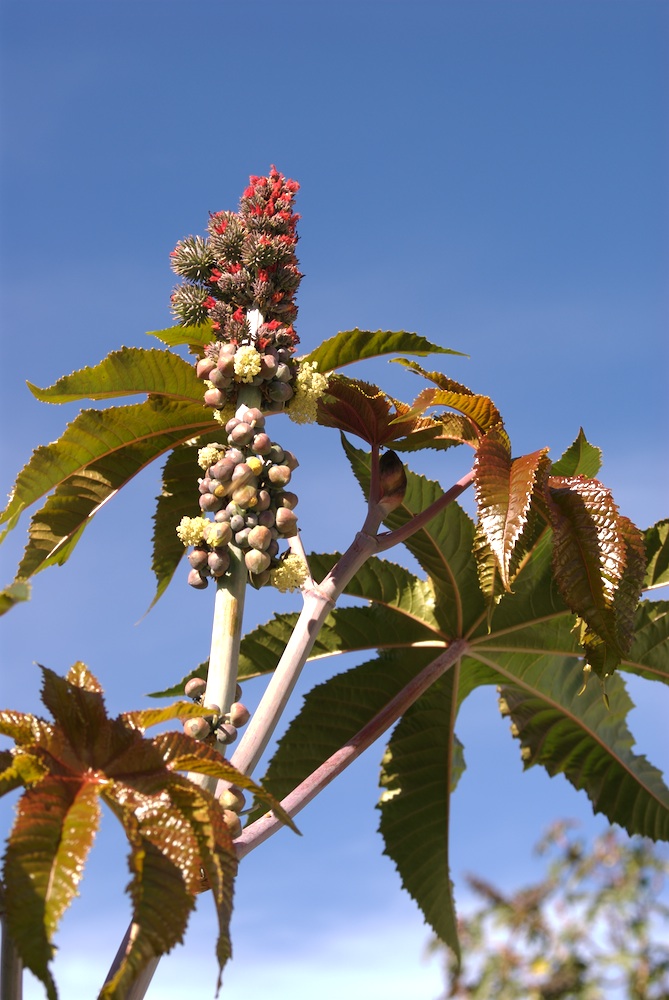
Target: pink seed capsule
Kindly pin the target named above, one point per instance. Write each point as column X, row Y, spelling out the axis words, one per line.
column 195, row 687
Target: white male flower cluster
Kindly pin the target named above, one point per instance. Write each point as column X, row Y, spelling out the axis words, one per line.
column 208, row 455
column 246, row 364
column 289, row 574
column 191, row 530
column 310, row 385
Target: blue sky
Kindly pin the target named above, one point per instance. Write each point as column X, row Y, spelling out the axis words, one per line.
column 490, row 175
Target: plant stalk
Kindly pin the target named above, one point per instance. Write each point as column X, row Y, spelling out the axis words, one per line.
column 268, row 824
column 11, row 967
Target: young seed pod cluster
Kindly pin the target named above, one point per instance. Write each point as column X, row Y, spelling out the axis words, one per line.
column 244, row 488
column 212, row 727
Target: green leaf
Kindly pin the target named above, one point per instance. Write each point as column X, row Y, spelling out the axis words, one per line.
column 96, row 456
column 197, row 337
column 504, row 493
column 46, row 851
column 421, row 766
column 359, row 345
column 110, row 444
column 598, row 564
column 14, row 594
column 127, row 372
column 570, row 730
column 657, row 555
column 580, row 459
column 649, row 655
column 333, row 712
column 177, row 499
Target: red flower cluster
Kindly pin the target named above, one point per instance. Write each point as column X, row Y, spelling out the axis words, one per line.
column 247, row 261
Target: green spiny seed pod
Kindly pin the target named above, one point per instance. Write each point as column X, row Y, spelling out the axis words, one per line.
column 256, row 561
column 195, row 579
column 195, row 688
column 259, row 538
column 286, row 522
column 198, row 728
column 239, row 714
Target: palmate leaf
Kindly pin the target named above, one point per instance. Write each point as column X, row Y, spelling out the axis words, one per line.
column 420, row 769
column 99, row 453
column 129, row 371
column 572, row 731
column 505, row 488
column 47, row 848
column 359, row 345
column 362, row 409
column 599, row 563
column 580, row 459
column 176, row 830
column 480, row 410
column 178, row 498
column 657, row 555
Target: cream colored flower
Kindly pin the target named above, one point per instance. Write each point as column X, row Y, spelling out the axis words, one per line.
column 191, row 530
column 309, row 387
column 247, row 364
column 290, row 573
column 209, row 455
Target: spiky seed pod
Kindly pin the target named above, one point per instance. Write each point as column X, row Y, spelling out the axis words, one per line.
column 188, row 304
column 195, row 579
column 193, row 258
